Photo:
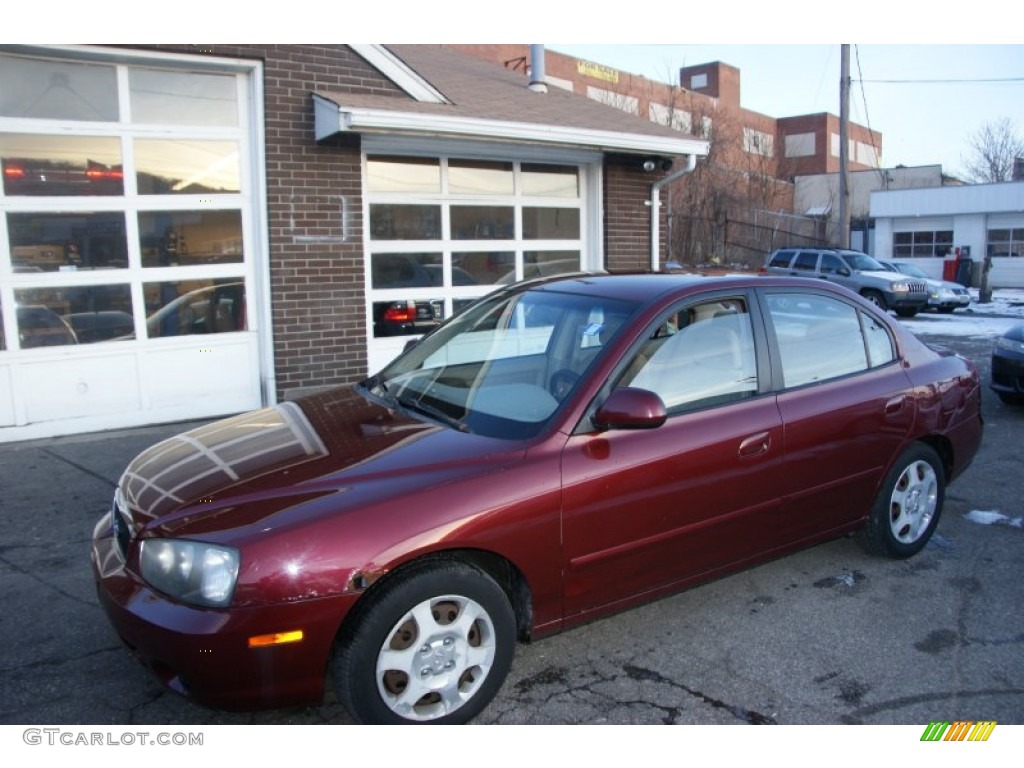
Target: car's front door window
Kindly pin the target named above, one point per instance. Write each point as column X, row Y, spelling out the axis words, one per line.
column 701, row 355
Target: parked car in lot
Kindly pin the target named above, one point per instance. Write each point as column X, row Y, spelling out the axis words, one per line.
column 1008, row 366
column 855, row 270
column 943, row 295
column 560, row 450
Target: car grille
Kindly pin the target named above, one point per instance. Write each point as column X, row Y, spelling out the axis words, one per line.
column 918, row 287
column 121, row 523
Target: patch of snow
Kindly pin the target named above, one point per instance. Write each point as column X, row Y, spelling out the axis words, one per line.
column 991, row 517
column 976, row 321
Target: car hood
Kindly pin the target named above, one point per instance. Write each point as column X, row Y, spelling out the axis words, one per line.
column 891, row 277
column 240, row 470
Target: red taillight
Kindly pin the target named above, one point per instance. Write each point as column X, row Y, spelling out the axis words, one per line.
column 14, row 172
column 97, row 174
column 401, row 312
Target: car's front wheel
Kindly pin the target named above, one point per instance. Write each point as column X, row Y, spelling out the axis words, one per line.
column 876, row 298
column 907, row 508
column 433, row 645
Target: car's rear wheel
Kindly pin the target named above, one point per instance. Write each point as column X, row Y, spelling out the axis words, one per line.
column 433, row 646
column 907, row 508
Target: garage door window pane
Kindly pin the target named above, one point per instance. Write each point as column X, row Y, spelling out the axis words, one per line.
column 50, row 317
column 405, row 222
column 189, row 307
column 187, row 167
column 406, row 270
column 477, row 222
column 183, row 98
column 60, row 166
column 190, row 238
column 545, row 263
column 403, row 174
column 67, row 242
column 485, row 268
column 551, row 223
column 57, row 90
column 467, row 177
column 550, row 180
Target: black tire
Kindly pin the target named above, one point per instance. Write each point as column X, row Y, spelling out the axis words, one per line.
column 460, row 655
column 1009, row 399
column 876, row 298
column 906, row 312
column 907, row 508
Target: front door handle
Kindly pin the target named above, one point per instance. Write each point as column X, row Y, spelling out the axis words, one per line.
column 755, row 445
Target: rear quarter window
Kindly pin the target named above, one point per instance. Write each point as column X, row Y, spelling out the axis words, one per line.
column 781, row 259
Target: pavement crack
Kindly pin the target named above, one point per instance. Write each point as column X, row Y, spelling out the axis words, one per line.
column 48, row 585
column 747, row 715
column 79, row 467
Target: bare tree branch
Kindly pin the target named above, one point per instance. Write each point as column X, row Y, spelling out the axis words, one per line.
column 993, row 148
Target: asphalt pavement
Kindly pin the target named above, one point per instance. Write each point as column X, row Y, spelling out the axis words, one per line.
column 829, row 635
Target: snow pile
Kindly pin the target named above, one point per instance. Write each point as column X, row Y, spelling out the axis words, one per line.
column 993, row 518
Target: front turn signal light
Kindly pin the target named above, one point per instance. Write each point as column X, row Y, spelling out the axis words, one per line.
column 275, row 638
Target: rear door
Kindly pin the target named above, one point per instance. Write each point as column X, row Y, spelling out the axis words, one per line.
column 845, row 403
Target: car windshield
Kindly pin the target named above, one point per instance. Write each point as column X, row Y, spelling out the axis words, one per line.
column 502, row 367
column 861, row 262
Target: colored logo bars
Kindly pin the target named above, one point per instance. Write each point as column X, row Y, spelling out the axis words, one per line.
column 961, row 730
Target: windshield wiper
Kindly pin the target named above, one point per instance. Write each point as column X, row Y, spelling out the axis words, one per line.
column 429, row 410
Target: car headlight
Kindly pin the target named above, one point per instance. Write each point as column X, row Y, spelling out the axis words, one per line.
column 900, row 287
column 191, row 571
column 1010, row 345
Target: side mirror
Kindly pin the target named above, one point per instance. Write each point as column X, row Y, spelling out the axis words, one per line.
column 630, row 408
column 843, row 271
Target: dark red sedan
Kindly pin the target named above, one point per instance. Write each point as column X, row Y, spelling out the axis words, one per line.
column 560, row 450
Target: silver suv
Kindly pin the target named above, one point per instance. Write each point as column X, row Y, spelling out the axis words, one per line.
column 855, row 270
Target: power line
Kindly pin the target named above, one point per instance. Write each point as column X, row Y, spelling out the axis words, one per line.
column 947, row 82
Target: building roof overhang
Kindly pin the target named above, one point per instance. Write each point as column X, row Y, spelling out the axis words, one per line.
column 334, row 115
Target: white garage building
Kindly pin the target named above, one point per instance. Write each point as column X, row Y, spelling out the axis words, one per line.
column 929, row 225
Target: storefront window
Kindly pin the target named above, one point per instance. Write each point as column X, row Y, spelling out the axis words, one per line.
column 188, row 238
column 405, row 222
column 58, row 166
column 67, row 242
column 188, row 167
column 551, row 223
column 469, row 177
column 928, row 244
column 183, row 98
column 49, row 317
column 479, row 222
column 57, row 90
column 189, row 307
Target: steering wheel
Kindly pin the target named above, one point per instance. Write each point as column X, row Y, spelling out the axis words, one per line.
column 561, row 383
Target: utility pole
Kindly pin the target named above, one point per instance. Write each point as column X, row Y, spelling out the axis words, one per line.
column 844, row 147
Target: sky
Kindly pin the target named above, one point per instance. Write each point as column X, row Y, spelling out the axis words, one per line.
column 922, row 123
column 788, row 51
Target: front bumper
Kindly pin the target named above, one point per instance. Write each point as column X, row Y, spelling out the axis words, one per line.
column 1008, row 374
column 204, row 654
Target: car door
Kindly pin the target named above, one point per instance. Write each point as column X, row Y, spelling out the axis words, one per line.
column 846, row 407
column 648, row 508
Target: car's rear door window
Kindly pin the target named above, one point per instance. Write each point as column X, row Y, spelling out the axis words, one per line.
column 821, row 338
column 806, row 261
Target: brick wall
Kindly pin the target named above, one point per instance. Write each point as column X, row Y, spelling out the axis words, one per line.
column 627, row 223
